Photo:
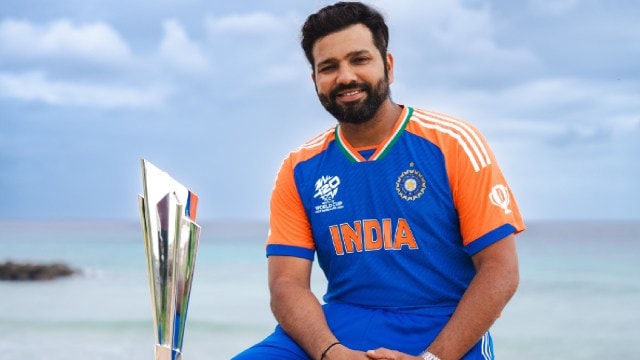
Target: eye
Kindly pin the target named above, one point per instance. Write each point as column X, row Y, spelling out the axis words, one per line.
column 360, row 60
column 326, row 68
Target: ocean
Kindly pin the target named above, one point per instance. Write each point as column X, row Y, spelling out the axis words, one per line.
column 579, row 294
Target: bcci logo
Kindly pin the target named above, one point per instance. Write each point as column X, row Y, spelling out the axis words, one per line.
column 326, row 190
column 411, row 184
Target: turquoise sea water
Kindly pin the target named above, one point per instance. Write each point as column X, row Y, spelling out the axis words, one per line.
column 579, row 296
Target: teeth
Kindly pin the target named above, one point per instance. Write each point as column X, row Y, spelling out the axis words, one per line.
column 351, row 93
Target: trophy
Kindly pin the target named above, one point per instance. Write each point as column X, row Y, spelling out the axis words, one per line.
column 168, row 214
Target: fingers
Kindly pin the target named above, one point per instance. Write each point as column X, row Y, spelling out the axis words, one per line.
column 383, row 354
column 387, row 354
column 374, row 354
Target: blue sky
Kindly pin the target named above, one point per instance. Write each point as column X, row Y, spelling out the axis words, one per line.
column 217, row 92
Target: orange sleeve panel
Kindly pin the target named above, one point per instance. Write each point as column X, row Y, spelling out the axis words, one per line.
column 288, row 222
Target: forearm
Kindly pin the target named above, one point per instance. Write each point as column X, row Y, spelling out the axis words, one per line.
column 492, row 287
column 300, row 314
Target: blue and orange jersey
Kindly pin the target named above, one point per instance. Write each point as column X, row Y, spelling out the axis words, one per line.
column 394, row 226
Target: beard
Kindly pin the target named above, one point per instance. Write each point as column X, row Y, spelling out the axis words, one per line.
column 357, row 112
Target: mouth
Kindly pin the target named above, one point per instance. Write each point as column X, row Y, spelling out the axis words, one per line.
column 350, row 95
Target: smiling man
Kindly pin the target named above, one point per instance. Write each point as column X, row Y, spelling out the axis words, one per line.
column 411, row 219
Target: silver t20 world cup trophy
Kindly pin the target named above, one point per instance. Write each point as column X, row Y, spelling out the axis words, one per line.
column 168, row 214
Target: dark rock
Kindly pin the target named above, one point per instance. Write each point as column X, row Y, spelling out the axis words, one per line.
column 28, row 271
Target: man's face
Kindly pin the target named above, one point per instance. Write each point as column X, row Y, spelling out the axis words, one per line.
column 351, row 78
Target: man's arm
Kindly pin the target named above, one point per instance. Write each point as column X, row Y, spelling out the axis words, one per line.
column 494, row 284
column 297, row 309
column 492, row 287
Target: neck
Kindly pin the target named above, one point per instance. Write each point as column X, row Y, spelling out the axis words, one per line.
column 374, row 131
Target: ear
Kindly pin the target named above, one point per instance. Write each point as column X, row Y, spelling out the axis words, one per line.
column 390, row 66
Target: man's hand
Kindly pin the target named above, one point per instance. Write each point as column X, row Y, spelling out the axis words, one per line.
column 386, row 354
column 341, row 352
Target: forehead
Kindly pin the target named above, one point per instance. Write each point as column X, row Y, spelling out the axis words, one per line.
column 339, row 44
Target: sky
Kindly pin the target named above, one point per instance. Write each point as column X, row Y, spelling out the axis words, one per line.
column 216, row 93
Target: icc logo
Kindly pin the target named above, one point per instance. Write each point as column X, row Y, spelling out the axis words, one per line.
column 499, row 197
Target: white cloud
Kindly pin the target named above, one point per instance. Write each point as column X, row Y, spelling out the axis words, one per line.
column 545, row 109
column 256, row 22
column 35, row 87
column 260, row 48
column 96, row 42
column 454, row 44
column 444, row 20
column 180, row 51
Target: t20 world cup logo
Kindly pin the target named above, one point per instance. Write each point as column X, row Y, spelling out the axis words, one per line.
column 326, row 189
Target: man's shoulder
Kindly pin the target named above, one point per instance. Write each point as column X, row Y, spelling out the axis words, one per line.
column 313, row 146
column 445, row 127
column 453, row 135
column 433, row 116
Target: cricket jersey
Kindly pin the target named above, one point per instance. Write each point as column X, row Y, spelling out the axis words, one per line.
column 394, row 226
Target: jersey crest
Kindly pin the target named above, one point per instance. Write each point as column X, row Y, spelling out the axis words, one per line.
column 411, row 184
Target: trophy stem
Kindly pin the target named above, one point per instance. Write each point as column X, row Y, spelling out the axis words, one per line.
column 164, row 352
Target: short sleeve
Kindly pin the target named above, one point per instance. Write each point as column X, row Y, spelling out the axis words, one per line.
column 486, row 206
column 289, row 228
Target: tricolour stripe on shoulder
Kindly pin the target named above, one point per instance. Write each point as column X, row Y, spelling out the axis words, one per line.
column 466, row 135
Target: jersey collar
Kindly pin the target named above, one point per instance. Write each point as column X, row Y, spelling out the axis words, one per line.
column 381, row 151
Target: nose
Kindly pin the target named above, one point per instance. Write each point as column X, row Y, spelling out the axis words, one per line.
column 346, row 75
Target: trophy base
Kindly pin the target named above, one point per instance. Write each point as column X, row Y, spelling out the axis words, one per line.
column 164, row 352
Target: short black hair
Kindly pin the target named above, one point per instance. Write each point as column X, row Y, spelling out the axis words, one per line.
column 340, row 16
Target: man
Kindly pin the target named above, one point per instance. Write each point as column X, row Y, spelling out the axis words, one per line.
column 410, row 217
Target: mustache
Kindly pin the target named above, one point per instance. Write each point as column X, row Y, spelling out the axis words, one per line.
column 350, row 86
